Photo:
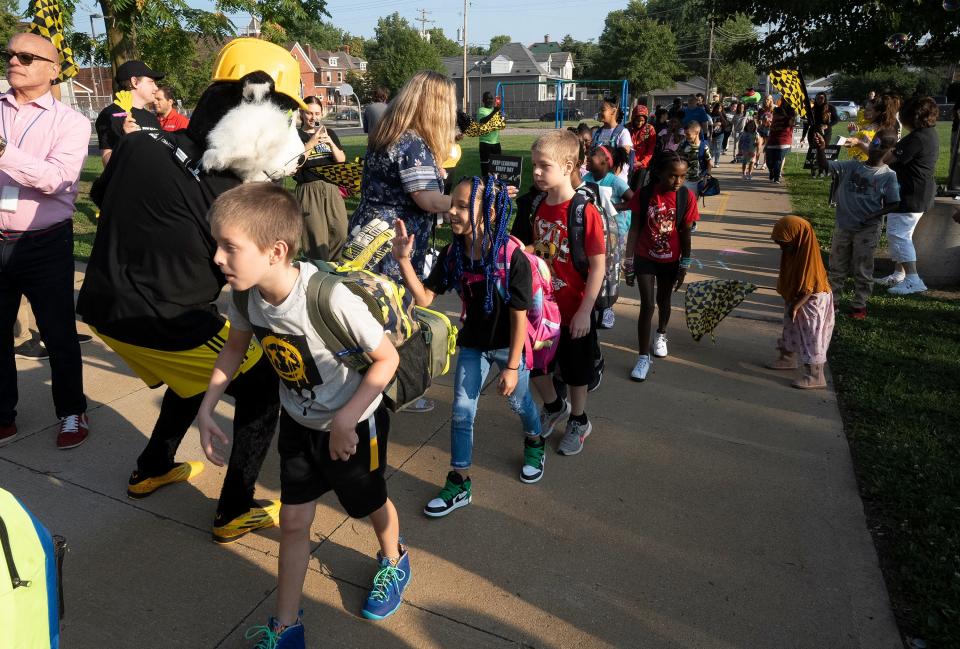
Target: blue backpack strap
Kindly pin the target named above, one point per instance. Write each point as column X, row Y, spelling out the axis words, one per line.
column 701, row 155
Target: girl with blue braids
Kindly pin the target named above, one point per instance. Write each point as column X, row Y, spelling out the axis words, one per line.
column 493, row 324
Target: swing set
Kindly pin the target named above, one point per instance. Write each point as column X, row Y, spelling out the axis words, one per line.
column 560, row 100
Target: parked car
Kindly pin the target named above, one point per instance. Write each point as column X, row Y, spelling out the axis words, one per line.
column 348, row 114
column 846, row 109
column 568, row 114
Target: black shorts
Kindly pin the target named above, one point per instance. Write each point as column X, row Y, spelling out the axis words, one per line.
column 664, row 271
column 576, row 357
column 307, row 472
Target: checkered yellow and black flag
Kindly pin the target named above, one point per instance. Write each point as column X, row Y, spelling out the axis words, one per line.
column 48, row 22
column 489, row 124
column 790, row 84
column 347, row 175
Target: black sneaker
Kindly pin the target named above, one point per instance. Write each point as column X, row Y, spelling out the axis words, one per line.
column 456, row 493
column 84, row 338
column 33, row 349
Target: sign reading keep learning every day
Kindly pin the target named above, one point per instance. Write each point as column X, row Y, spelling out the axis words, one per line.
column 507, row 168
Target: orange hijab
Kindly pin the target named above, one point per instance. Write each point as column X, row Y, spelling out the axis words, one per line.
column 801, row 266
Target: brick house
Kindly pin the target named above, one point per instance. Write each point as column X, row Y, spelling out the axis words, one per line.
column 331, row 68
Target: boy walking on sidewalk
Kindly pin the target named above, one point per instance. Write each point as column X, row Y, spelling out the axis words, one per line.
column 569, row 241
column 865, row 192
column 333, row 428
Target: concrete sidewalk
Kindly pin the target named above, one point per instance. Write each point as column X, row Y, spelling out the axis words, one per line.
column 713, row 507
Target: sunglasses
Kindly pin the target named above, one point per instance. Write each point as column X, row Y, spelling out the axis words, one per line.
column 25, row 58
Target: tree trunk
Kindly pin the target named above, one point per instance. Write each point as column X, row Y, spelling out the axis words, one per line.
column 121, row 34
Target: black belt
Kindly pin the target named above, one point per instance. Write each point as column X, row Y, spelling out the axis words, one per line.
column 15, row 235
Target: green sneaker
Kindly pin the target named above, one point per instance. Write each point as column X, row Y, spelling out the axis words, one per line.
column 456, row 493
column 533, row 460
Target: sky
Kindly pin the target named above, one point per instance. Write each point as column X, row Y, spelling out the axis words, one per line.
column 527, row 23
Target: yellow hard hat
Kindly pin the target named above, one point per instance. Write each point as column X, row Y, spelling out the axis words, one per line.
column 241, row 56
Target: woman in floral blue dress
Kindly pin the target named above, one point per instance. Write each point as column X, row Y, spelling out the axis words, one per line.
column 401, row 172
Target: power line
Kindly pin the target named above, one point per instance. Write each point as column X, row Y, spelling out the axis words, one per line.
column 423, row 20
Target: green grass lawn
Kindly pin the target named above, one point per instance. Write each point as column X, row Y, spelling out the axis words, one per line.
column 897, row 376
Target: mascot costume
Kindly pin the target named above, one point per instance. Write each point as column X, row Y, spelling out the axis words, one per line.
column 151, row 281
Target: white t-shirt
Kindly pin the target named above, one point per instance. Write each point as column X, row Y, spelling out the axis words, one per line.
column 313, row 383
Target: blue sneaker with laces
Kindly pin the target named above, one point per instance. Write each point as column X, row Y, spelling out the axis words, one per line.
column 388, row 586
column 276, row 636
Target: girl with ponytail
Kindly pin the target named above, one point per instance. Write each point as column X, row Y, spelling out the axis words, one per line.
column 493, row 324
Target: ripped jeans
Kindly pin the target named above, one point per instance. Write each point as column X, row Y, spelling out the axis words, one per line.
column 473, row 365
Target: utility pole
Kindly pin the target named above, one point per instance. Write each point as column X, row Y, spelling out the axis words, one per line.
column 706, row 92
column 465, row 4
column 423, row 20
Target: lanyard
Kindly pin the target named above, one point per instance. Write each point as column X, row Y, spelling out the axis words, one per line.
column 3, row 119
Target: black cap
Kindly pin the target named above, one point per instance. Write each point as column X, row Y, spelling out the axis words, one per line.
column 136, row 69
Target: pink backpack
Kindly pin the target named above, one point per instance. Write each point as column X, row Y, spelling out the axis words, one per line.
column 543, row 316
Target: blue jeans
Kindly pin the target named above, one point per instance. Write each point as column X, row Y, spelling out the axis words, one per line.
column 473, row 366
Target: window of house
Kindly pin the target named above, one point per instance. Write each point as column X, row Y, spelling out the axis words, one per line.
column 363, row 65
column 328, row 76
column 339, row 77
column 333, row 61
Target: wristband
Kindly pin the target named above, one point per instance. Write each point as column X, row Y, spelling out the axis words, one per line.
column 515, row 369
column 685, row 262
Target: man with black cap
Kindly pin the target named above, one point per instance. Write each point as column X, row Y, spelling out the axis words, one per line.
column 113, row 122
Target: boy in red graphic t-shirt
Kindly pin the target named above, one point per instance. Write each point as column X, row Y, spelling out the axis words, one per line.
column 575, row 285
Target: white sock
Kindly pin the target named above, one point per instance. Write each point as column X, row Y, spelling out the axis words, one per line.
column 913, row 276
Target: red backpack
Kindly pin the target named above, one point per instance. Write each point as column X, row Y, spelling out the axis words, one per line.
column 543, row 316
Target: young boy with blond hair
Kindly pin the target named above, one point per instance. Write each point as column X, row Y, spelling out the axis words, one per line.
column 333, row 428
column 568, row 233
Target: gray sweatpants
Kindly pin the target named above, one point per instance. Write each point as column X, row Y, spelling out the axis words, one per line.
column 852, row 255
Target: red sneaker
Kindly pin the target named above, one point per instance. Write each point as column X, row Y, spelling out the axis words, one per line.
column 7, row 432
column 73, row 431
column 859, row 313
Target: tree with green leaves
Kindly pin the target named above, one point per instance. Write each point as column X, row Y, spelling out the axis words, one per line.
column 822, row 36
column 638, row 48
column 497, row 42
column 585, row 53
column 444, row 45
column 397, row 52
column 890, row 79
column 732, row 78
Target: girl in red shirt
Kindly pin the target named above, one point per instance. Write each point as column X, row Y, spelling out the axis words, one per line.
column 644, row 137
column 659, row 242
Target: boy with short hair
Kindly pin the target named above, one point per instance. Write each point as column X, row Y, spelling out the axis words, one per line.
column 697, row 154
column 333, row 428
column 866, row 191
column 555, row 155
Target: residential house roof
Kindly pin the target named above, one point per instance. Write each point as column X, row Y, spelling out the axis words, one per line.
column 525, row 63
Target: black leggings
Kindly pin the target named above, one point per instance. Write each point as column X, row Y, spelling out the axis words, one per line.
column 255, row 417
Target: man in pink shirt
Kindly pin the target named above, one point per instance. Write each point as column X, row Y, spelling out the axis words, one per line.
column 43, row 144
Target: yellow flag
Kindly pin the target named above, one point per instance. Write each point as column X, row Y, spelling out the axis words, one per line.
column 48, row 22
column 790, row 84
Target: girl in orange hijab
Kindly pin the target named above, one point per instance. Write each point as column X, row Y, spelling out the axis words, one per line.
column 809, row 315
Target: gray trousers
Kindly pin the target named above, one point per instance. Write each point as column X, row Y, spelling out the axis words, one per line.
column 852, row 255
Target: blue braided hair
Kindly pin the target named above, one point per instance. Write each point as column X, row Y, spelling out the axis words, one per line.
column 495, row 203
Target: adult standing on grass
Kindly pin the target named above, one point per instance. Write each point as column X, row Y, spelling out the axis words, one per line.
column 401, row 172
column 324, row 212
column 113, row 122
column 42, row 149
column 915, row 161
column 489, row 143
column 373, row 113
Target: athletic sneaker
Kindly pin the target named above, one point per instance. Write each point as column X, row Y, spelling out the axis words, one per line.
column 572, row 442
column 640, row 370
column 912, row 284
column 660, row 345
column 138, row 487
column 388, row 585
column 533, row 459
column 32, row 349
column 83, row 339
column 892, row 279
column 74, row 430
column 276, row 638
column 7, row 432
column 456, row 493
column 548, row 420
column 608, row 319
column 421, row 405
column 858, row 313
column 256, row 518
